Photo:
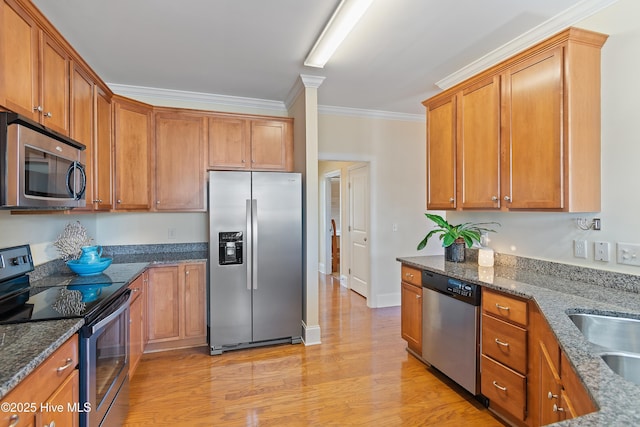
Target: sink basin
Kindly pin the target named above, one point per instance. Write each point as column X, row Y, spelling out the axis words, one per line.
column 625, row 365
column 613, row 333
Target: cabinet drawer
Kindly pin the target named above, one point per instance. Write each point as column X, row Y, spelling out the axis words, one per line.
column 503, row 387
column 505, row 343
column 505, row 307
column 411, row 275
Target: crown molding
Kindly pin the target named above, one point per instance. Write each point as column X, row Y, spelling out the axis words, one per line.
column 565, row 19
column 370, row 114
column 163, row 95
column 197, row 97
column 305, row 81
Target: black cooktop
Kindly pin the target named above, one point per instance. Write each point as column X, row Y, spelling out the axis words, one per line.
column 63, row 296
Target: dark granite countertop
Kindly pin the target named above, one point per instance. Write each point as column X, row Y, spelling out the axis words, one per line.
column 24, row 346
column 556, row 296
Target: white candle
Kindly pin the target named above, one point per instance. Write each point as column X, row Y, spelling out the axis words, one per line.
column 485, row 257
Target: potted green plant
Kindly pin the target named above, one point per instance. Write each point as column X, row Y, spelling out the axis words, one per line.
column 454, row 237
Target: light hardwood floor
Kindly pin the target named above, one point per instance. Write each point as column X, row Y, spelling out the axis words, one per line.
column 360, row 375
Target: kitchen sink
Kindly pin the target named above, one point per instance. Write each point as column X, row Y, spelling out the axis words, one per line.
column 625, row 365
column 613, row 333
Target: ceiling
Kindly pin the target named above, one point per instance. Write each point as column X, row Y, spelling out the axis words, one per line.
column 255, row 49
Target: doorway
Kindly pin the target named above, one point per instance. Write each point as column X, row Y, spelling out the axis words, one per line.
column 344, row 198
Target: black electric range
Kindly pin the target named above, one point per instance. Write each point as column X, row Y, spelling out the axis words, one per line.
column 58, row 297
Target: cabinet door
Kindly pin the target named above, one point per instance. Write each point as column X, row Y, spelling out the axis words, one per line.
column 163, row 303
column 533, row 103
column 19, row 66
column 102, row 174
column 136, row 335
column 411, row 316
column 65, row 396
column 179, row 149
column 441, row 155
column 270, row 145
column 82, row 119
column 479, row 145
column 229, row 143
column 55, row 85
column 194, row 301
column 132, row 155
column 549, row 389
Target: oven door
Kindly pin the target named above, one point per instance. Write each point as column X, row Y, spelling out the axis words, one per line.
column 104, row 366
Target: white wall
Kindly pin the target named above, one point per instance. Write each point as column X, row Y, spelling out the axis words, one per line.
column 549, row 236
column 151, row 228
column 40, row 231
column 396, row 153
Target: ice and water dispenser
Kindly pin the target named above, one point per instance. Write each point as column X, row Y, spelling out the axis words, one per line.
column 230, row 247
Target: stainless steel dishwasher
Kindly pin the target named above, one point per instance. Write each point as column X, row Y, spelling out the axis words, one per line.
column 451, row 327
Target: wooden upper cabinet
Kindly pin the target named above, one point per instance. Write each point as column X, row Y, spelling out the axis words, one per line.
column 132, row 148
column 55, row 85
column 180, row 167
column 441, row 154
column 34, row 69
column 19, row 36
column 534, row 167
column 527, row 131
column 82, row 121
column 103, row 148
column 228, row 143
column 479, row 145
column 271, row 145
column 250, row 143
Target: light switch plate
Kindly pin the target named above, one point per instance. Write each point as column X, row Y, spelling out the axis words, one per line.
column 628, row 253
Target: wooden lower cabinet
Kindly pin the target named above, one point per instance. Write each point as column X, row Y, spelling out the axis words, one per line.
column 54, row 383
column 176, row 302
column 137, row 322
column 504, row 364
column 411, row 308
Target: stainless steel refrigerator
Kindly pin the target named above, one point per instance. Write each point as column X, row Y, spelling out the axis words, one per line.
column 255, row 250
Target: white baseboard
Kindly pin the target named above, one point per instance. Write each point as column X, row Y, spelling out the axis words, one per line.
column 311, row 334
column 388, row 300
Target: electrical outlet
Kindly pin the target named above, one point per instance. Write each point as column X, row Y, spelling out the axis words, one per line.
column 628, row 253
column 580, row 248
column 602, row 251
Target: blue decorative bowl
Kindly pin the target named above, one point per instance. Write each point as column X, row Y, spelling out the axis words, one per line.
column 90, row 269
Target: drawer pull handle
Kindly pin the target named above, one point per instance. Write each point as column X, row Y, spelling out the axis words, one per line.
column 498, row 386
column 551, row 396
column 556, row 408
column 15, row 419
column 504, row 344
column 68, row 363
column 501, row 307
column 417, row 296
column 409, row 275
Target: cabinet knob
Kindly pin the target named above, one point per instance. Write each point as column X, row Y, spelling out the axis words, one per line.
column 556, row 408
column 551, row 396
column 451, row 199
column 494, row 198
column 157, row 202
column 417, row 296
column 38, row 108
column 47, row 114
column 507, row 198
column 119, row 201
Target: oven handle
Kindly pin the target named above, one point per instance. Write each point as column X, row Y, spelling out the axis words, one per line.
column 112, row 316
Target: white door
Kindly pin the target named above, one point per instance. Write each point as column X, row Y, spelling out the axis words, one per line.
column 359, row 229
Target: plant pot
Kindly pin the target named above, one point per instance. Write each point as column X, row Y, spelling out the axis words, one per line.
column 455, row 251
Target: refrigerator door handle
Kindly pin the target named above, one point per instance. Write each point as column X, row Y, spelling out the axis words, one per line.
column 254, row 243
column 249, row 243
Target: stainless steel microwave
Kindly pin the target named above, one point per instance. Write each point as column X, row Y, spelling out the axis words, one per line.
column 39, row 168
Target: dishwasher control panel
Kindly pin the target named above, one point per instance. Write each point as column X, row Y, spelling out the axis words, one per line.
column 459, row 289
